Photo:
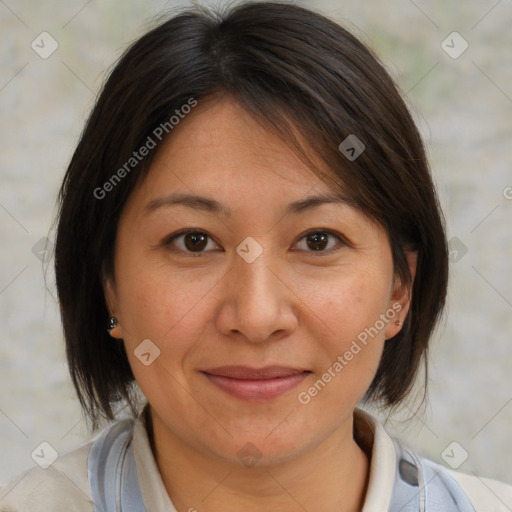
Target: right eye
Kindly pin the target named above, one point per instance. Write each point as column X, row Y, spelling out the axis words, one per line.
column 191, row 241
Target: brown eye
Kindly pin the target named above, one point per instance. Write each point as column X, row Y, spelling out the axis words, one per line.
column 319, row 241
column 189, row 242
column 195, row 241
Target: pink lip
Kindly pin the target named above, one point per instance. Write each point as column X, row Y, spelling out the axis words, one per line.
column 256, row 384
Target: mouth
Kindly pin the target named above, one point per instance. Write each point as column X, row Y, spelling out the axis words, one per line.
column 255, row 384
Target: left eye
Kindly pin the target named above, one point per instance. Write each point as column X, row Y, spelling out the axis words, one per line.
column 317, row 241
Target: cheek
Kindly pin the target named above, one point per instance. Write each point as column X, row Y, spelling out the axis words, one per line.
column 161, row 303
column 165, row 309
column 350, row 304
column 352, row 311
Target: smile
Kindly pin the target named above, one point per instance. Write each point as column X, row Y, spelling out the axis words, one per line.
column 256, row 384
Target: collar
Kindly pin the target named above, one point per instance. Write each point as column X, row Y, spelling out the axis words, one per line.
column 373, row 439
column 368, row 432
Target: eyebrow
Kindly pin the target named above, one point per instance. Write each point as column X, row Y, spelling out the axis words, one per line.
column 212, row 206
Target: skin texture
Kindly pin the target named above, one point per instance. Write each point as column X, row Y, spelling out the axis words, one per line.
column 292, row 306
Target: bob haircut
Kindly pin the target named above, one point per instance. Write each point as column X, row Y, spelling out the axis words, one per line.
column 300, row 75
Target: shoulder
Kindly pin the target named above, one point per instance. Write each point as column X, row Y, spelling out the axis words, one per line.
column 442, row 485
column 62, row 487
column 484, row 493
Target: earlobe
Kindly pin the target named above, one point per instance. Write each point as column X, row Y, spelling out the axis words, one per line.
column 401, row 296
column 113, row 327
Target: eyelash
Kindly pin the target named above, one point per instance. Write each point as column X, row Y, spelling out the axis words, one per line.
column 341, row 241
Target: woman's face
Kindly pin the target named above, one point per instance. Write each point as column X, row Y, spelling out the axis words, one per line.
column 265, row 279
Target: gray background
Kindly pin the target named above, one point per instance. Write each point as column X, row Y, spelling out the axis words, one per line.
column 463, row 107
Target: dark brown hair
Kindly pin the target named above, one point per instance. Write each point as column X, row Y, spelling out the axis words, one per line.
column 302, row 76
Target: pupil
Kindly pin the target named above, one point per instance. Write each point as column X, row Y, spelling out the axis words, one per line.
column 195, row 241
column 317, row 239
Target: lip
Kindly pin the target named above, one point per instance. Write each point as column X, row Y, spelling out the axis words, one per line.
column 256, row 384
column 247, row 373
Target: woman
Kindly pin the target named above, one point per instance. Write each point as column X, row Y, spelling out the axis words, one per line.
column 249, row 234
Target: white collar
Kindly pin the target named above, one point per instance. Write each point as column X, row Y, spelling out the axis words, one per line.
column 370, row 433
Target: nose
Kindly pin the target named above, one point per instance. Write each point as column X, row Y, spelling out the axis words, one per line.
column 257, row 302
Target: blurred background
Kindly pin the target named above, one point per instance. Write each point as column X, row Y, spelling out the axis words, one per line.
column 453, row 63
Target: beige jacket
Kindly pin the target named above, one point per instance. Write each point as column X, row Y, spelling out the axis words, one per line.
column 64, row 487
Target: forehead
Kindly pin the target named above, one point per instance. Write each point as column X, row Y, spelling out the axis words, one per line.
column 221, row 148
column 219, row 161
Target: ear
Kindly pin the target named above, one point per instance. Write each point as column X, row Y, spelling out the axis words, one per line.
column 401, row 296
column 111, row 302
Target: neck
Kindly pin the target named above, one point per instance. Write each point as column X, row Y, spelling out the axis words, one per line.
column 333, row 477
